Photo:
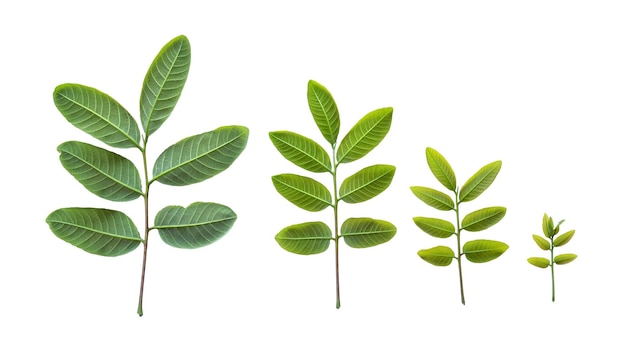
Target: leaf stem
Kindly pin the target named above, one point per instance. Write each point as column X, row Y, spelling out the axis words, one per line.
column 458, row 244
column 336, row 237
column 146, row 229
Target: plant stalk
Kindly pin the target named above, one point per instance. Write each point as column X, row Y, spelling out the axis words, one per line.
column 336, row 238
column 146, row 231
column 552, row 264
column 458, row 245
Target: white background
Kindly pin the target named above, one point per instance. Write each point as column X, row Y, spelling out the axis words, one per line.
column 540, row 85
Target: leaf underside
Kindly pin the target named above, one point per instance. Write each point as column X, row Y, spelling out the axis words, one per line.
column 200, row 157
column 103, row 173
column 539, row 262
column 302, row 191
column 164, row 83
column 564, row 238
column 366, row 232
column 482, row 251
column 441, row 169
column 435, row 227
column 198, row 225
column 479, row 182
column 541, row 242
column 103, row 232
column 438, row 256
column 97, row 114
column 302, row 151
column 324, row 111
column 366, row 134
column 483, row 219
column 434, row 198
column 564, row 258
column 306, row 238
column 366, row 183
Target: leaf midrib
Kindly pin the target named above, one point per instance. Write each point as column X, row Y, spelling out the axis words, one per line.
column 380, row 120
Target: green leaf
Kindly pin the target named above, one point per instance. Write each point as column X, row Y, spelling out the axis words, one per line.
column 539, row 262
column 440, row 167
column 164, row 83
column 366, row 183
column 97, row 114
column 483, row 219
column 304, row 192
column 200, row 157
column 103, row 232
column 558, row 227
column 307, row 238
column 104, row 173
column 324, row 111
column 564, row 258
column 366, row 134
column 366, row 232
column 438, row 256
column 198, row 225
column 434, row 198
column 435, row 227
column 482, row 251
column 564, row 238
column 541, row 242
column 479, row 182
column 547, row 226
column 301, row 151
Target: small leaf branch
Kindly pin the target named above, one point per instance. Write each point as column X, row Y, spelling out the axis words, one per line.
column 548, row 243
column 311, row 195
column 113, row 177
column 476, row 251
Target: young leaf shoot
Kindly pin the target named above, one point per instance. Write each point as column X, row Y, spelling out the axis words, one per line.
column 113, row 177
column 476, row 251
column 312, row 195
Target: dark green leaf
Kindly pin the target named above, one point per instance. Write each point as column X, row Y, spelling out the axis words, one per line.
column 439, row 256
column 565, row 258
column 366, row 134
column 366, row 232
column 104, row 173
column 440, row 167
column 307, row 238
column 539, row 262
column 304, row 192
column 324, row 111
column 434, row 198
column 301, row 151
column 97, row 114
column 541, row 242
column 164, row 83
column 366, row 183
column 98, row 231
column 564, row 238
column 479, row 182
column 547, row 226
column 483, row 219
column 198, row 225
column 197, row 158
column 482, row 251
column 435, row 227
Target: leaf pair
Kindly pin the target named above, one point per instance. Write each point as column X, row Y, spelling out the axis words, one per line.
column 549, row 244
column 115, row 178
column 476, row 251
column 312, row 195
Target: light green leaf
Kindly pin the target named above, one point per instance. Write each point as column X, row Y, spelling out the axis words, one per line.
column 104, row 173
column 366, row 183
column 307, row 238
column 301, row 151
column 539, row 262
column 198, row 225
column 435, row 227
column 440, row 167
column 164, row 83
column 482, row 251
column 483, row 219
column 302, row 191
column 324, row 111
column 434, row 198
column 479, row 182
column 548, row 226
column 366, row 232
column 558, row 227
column 438, row 256
column 366, row 134
column 97, row 114
column 103, row 232
column 564, row 258
column 564, row 238
column 541, row 242
column 197, row 158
